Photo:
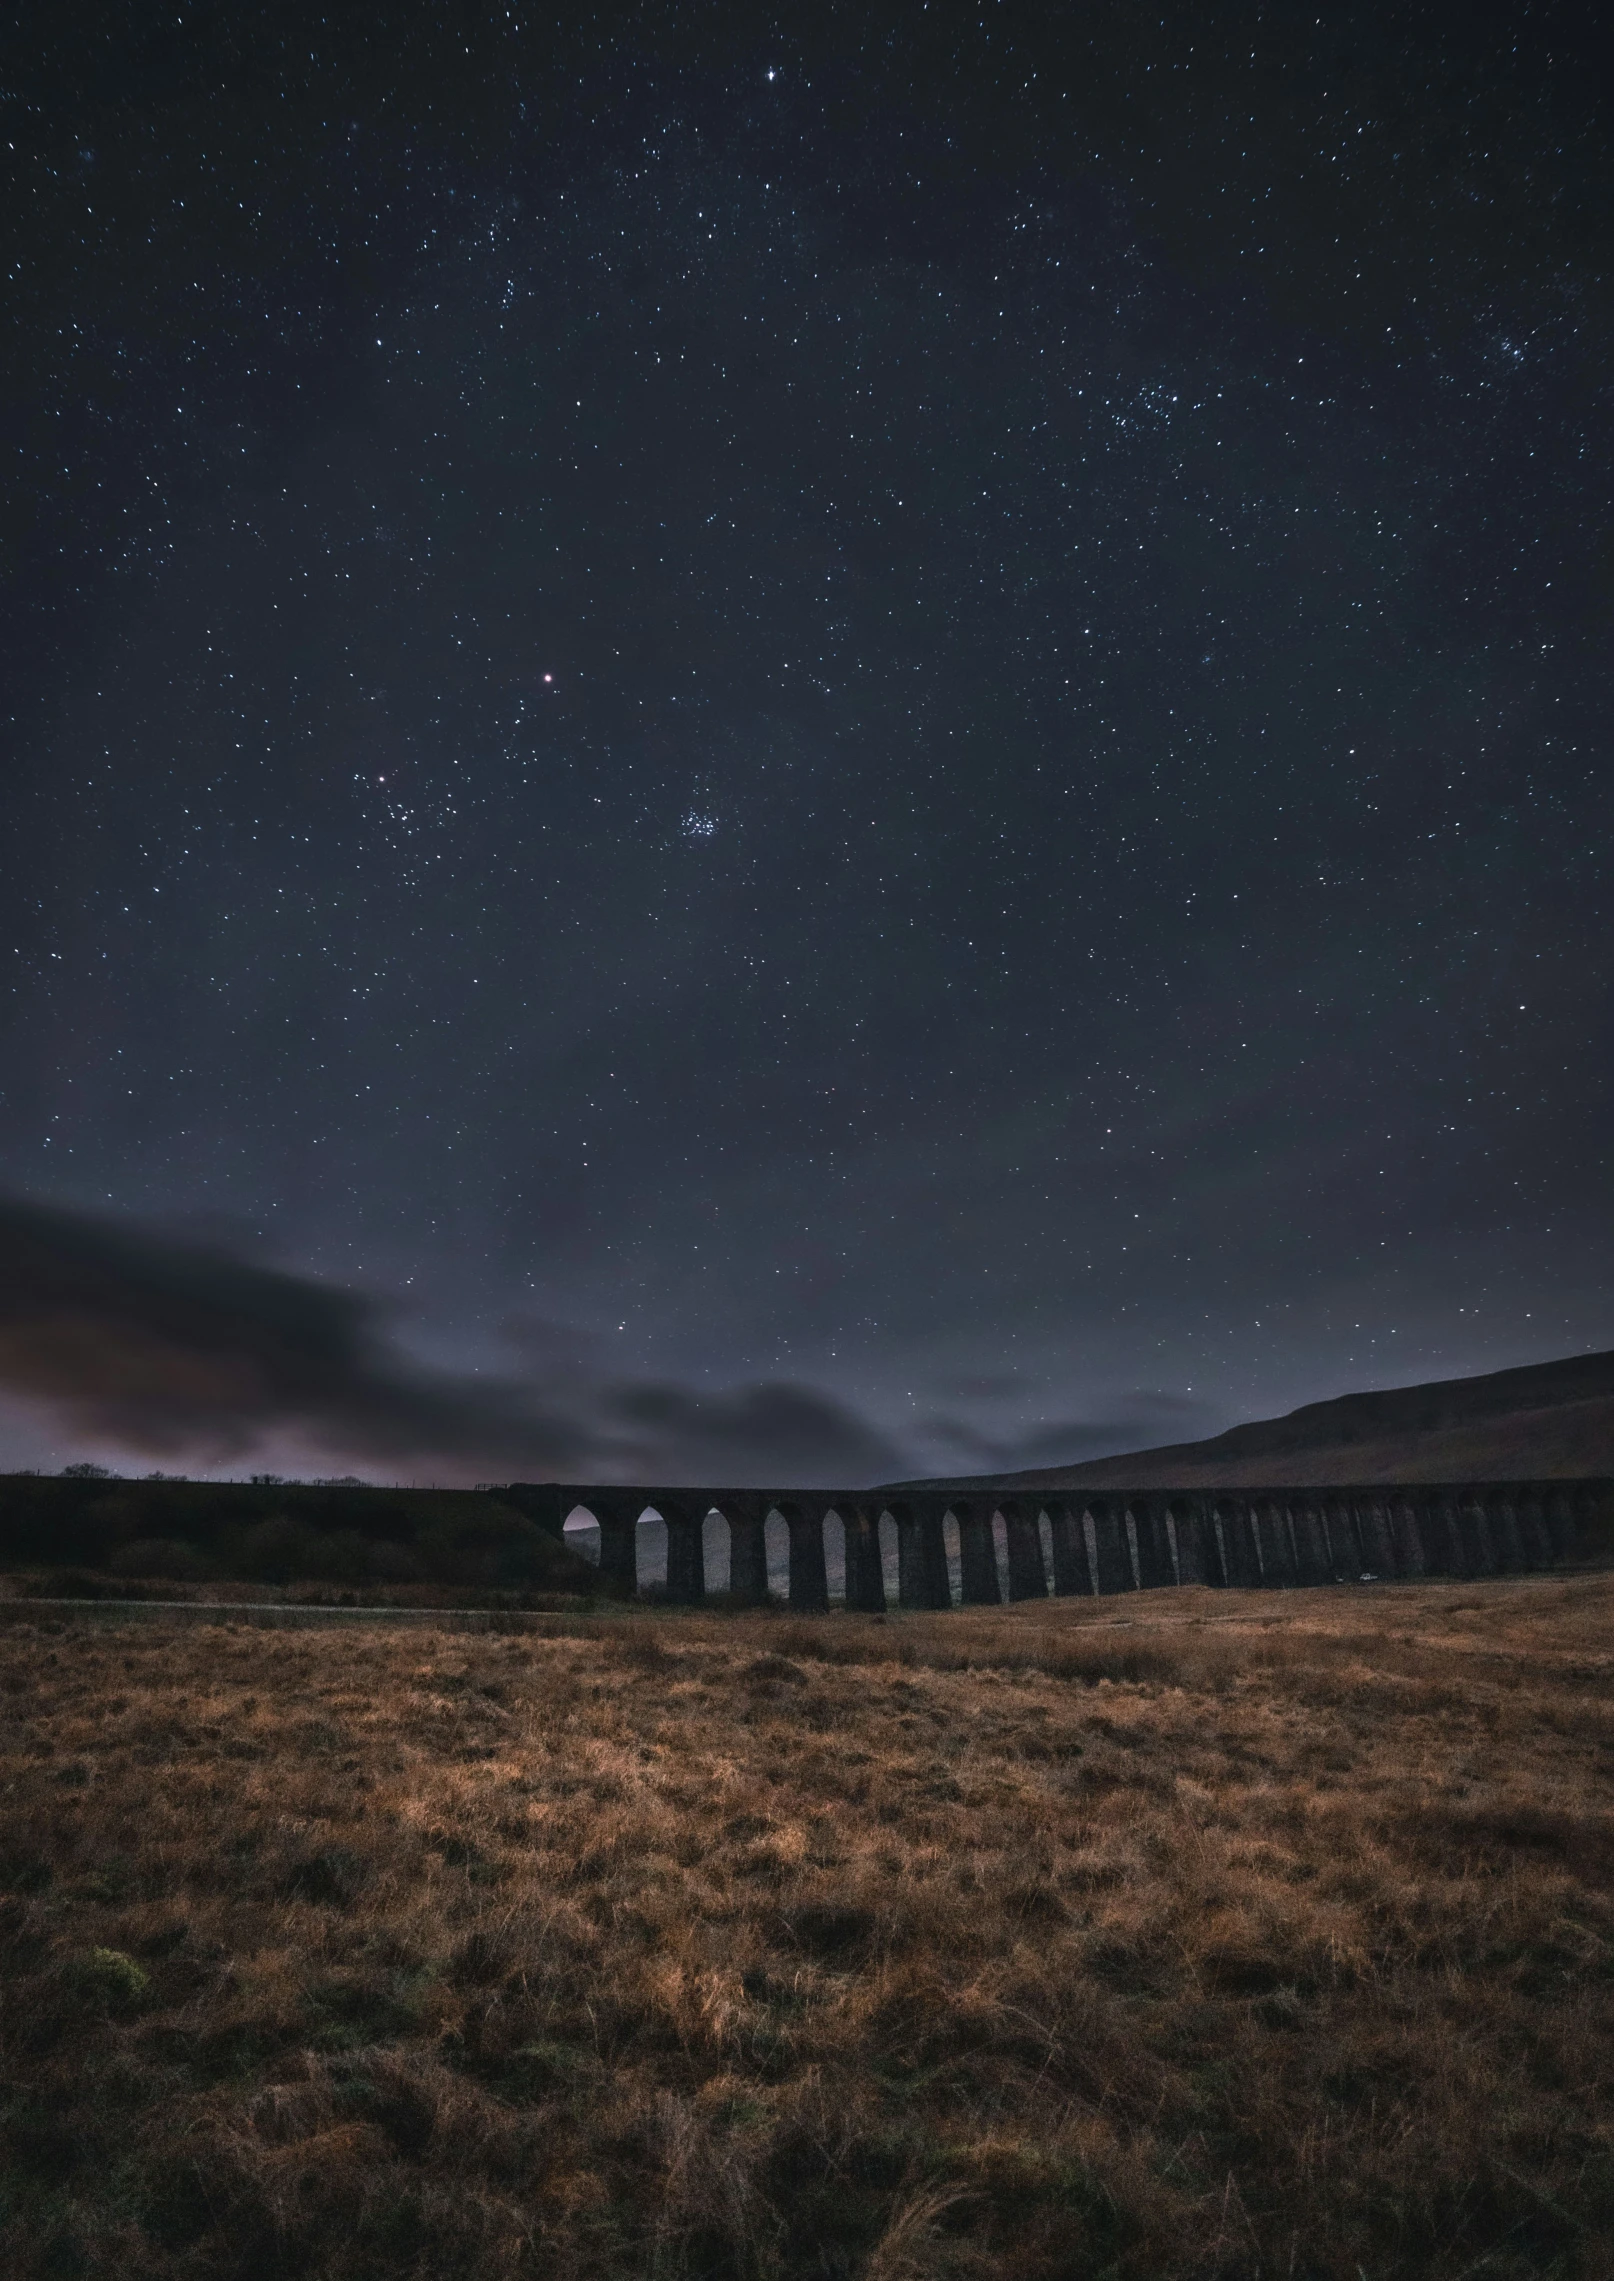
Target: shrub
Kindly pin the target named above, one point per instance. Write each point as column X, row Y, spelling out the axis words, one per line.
column 69, row 1584
column 109, row 1979
column 491, row 1546
column 276, row 1551
column 285, row 1549
column 167, row 1558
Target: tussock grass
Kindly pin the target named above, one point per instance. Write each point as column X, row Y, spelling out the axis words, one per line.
column 1200, row 1935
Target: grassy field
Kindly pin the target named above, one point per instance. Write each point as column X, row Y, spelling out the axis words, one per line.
column 1206, row 1935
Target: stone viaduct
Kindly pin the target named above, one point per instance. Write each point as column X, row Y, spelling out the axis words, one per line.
column 1111, row 1540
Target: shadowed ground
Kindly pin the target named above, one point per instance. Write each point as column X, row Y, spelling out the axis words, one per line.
column 1211, row 1935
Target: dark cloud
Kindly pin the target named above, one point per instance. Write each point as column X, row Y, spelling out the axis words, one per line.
column 772, row 1433
column 178, row 1348
column 1141, row 1421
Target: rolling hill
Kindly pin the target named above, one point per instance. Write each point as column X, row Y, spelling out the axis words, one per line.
column 1550, row 1419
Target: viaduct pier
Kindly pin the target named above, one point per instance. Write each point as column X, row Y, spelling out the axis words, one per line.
column 1074, row 1542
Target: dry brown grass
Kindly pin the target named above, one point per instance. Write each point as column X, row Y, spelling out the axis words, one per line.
column 1213, row 1934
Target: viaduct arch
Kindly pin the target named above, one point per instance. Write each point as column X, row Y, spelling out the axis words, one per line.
column 1103, row 1542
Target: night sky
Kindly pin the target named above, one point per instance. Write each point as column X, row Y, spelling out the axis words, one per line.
column 796, row 747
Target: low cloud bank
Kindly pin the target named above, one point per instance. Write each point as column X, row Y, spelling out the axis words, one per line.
column 180, row 1350
column 1140, row 1421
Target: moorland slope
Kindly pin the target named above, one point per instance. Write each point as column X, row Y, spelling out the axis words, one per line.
column 1549, row 1420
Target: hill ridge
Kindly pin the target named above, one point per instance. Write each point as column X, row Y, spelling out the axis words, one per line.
column 1536, row 1420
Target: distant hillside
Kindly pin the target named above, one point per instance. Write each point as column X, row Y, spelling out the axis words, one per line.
column 1551, row 1418
column 280, row 1532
